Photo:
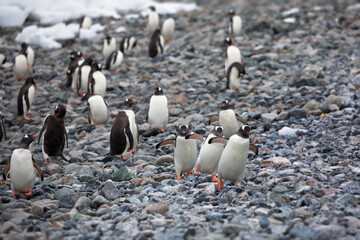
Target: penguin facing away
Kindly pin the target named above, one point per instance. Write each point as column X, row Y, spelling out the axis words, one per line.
column 153, row 19
column 233, row 54
column 127, row 44
column 20, row 66
column 156, row 44
column 158, row 113
column 83, row 77
column 234, row 74
column 26, row 97
column 2, row 128
column 30, row 55
column 167, row 30
column 114, row 61
column 99, row 111
column 109, row 46
column 97, row 80
column 235, row 24
column 22, row 168
column 53, row 134
column 76, row 59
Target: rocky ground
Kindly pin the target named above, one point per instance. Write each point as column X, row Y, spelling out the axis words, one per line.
column 300, row 96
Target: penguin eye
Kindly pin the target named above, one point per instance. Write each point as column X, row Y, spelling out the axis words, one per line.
column 79, row 53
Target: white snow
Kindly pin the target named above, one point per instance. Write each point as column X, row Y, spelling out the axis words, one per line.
column 12, row 16
column 290, row 131
column 290, row 20
column 120, row 29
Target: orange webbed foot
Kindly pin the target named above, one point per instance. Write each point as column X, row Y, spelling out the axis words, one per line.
column 214, row 179
column 46, row 161
column 220, row 184
column 28, row 193
column 124, row 158
column 178, row 177
column 238, row 185
column 132, row 150
column 112, row 71
column 13, row 195
column 189, row 173
column 196, row 173
column 27, row 118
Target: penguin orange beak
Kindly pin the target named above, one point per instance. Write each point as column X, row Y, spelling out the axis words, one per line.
column 248, row 133
column 83, row 54
column 133, row 101
column 34, row 137
column 35, row 85
column 54, row 114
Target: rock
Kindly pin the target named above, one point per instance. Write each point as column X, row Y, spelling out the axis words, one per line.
column 160, row 207
column 99, row 200
column 231, row 229
column 164, row 160
column 122, row 174
column 162, row 176
column 300, row 212
column 180, row 99
column 333, row 108
column 85, row 173
column 286, row 131
column 302, row 232
column 264, row 221
column 16, row 216
column 71, row 168
column 9, row 226
column 110, row 191
column 82, row 203
column 311, row 106
column 299, row 82
column 66, row 197
column 276, row 162
column 268, row 117
column 346, row 199
column 297, row 113
column 52, row 168
column 283, row 116
column 36, row 210
column 332, row 99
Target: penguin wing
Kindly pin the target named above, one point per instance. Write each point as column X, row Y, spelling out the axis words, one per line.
column 213, row 119
column 43, row 128
column 6, row 171
column 20, row 101
column 66, row 138
column 239, row 66
column 26, row 96
column 38, row 169
column 217, row 140
column 129, row 135
column 165, row 142
column 79, row 81
column 122, row 45
column 108, row 60
column 243, row 121
column 3, row 128
column 254, row 149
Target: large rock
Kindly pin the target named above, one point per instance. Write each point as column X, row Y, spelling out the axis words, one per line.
column 122, row 174
column 160, row 207
column 110, row 191
column 297, row 113
column 332, row 99
column 268, row 117
column 286, row 131
column 276, row 162
column 311, row 106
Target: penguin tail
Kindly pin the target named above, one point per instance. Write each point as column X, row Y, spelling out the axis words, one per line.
column 63, row 157
column 107, row 159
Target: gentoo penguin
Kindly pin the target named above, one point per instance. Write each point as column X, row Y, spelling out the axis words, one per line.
column 234, row 74
column 76, row 59
column 156, row 44
column 233, row 54
column 2, row 128
column 127, row 44
column 29, row 53
column 20, row 66
column 114, row 61
column 168, row 28
column 185, row 152
column 233, row 159
column 235, row 23
column 99, row 110
column 153, row 19
column 2, row 58
column 97, row 80
column 26, row 97
column 209, row 155
column 228, row 119
column 22, row 168
column 109, row 46
column 83, row 78
column 86, row 22
column 158, row 113
column 54, row 138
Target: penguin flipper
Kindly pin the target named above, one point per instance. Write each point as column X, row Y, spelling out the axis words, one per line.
column 217, row 140
column 130, row 136
column 63, row 157
column 243, row 121
column 165, row 142
column 6, row 171
column 254, row 149
column 213, row 119
column 43, row 128
column 38, row 169
column 27, row 100
column 3, row 128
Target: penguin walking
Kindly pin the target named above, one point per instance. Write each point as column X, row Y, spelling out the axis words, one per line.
column 127, row 44
column 234, row 74
column 83, row 77
column 20, row 66
column 228, row 119
column 233, row 160
column 85, row 22
column 233, row 54
column 109, row 46
column 235, row 23
column 167, row 30
column 158, row 113
column 76, row 59
column 156, row 44
column 99, row 111
column 114, row 61
column 30, row 55
column 2, row 58
column 153, row 19
column 26, row 97
column 210, row 154
column 53, row 134
column 97, row 80
column 22, row 168
column 2, row 128
column 185, row 152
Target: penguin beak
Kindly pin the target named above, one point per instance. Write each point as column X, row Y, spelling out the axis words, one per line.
column 248, row 133
column 133, row 101
column 54, row 114
column 35, row 85
column 83, row 54
column 34, row 137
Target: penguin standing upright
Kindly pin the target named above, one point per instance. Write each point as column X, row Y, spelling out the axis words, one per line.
column 167, row 30
column 2, row 128
column 85, row 22
column 235, row 23
column 228, row 119
column 109, row 46
column 76, row 59
column 234, row 74
column 114, row 61
column 2, row 58
column 99, row 110
column 127, row 44
column 22, row 168
column 158, row 113
column 53, row 134
column 83, row 77
column 97, row 80
column 185, row 152
column 233, row 54
column 153, row 19
column 30, row 55
column 26, row 97
column 210, row 154
column 234, row 157
column 20, row 66
column 156, row 44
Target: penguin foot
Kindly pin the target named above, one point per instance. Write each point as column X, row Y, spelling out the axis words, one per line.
column 31, row 68
column 214, row 179
column 220, row 184
column 112, row 71
column 196, row 173
column 178, row 177
column 132, row 150
column 28, row 193
column 14, row 195
column 238, row 185
column 46, row 160
column 167, row 40
column 189, row 173
column 27, row 118
column 123, row 158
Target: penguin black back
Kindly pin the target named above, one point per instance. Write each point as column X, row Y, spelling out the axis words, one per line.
column 30, row 81
column 239, row 67
column 119, row 131
column 154, row 43
column 2, row 128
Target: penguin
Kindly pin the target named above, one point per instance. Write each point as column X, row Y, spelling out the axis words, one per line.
column 30, row 55
column 26, row 97
column 228, row 119
column 109, row 46
column 167, row 30
column 158, row 113
column 2, row 58
column 127, row 108
column 53, row 134
column 235, row 24
column 233, row 54
column 83, row 77
column 114, row 61
column 99, row 111
column 20, row 66
column 153, row 19
column 127, row 44
column 85, row 22
column 234, row 74
column 210, row 153
column 156, row 44
column 76, row 59
column 2, row 128
column 97, row 80
column 22, row 168
column 234, row 157
column 185, row 152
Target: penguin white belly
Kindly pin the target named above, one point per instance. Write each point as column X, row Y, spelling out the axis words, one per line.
column 234, row 78
column 119, row 59
column 153, row 21
column 2, row 58
column 233, row 55
column 160, row 47
column 100, row 83
column 30, row 56
column 85, row 71
column 46, row 156
column 74, row 77
column 132, row 41
column 237, row 24
column 158, row 111
column 209, row 156
column 86, row 23
column 99, row 110
column 109, row 48
column 184, row 155
column 228, row 121
column 20, row 68
column 133, row 126
column 22, row 172
column 233, row 159
column 168, row 28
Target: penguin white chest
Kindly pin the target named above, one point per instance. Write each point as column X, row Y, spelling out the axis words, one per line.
column 184, row 155
column 236, row 24
column 108, row 48
column 168, row 28
column 160, row 45
column 116, row 62
column 30, row 56
column 22, row 172
column 31, row 97
column 99, row 110
column 227, row 120
column 209, row 156
column 233, row 55
column 99, row 83
column 234, row 80
column 85, row 71
column 133, row 125
column 153, row 21
column 20, row 67
column 86, row 23
column 158, row 111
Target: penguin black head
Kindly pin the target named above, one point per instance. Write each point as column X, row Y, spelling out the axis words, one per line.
column 225, row 105
column 158, row 91
column 59, row 111
column 228, row 41
column 30, row 81
column 27, row 140
column 95, row 66
column 76, row 54
column 108, row 39
column 231, row 12
column 152, row 8
column 244, row 131
column 85, row 96
column 88, row 61
column 129, row 102
column 24, row 46
column 218, row 131
column 183, row 130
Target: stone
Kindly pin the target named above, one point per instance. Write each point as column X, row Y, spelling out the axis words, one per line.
column 36, row 210
column 9, row 226
column 276, row 162
column 231, row 229
column 11, row 214
column 302, row 232
column 164, row 160
column 311, row 106
column 268, row 117
column 71, row 168
column 283, row 116
column 99, row 200
column 180, row 99
column 110, row 191
column 297, row 113
column 303, row 213
column 82, row 203
column 160, row 207
column 122, row 174
column 346, row 199
column 85, row 173
column 53, row 168
column 286, row 131
column 332, row 99
column 333, row 108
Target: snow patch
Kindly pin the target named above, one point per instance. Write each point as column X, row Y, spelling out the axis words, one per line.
column 286, row 131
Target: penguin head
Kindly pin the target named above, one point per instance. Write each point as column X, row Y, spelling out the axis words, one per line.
column 225, row 105
column 76, row 54
column 228, row 41
column 183, row 130
column 244, row 131
column 95, row 66
column 59, row 111
column 218, row 131
column 152, row 8
column 27, row 140
column 68, row 72
column 88, row 61
column 231, row 12
column 85, row 96
column 129, row 102
column 108, row 39
column 24, row 46
column 158, row 91
column 31, row 81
